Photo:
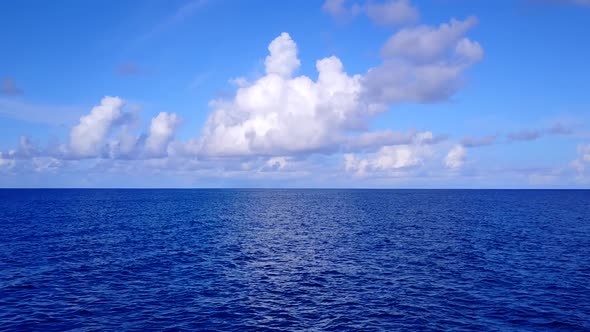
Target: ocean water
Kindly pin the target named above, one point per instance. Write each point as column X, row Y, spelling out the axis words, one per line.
column 293, row 260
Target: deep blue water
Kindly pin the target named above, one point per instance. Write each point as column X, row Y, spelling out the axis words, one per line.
column 340, row 260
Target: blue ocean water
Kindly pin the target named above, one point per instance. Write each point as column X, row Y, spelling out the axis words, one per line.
column 287, row 260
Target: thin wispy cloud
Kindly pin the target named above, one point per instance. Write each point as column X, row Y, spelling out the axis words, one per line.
column 180, row 15
column 534, row 134
column 472, row 141
column 50, row 114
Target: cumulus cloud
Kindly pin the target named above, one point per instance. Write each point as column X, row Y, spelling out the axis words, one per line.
column 391, row 159
column 161, row 133
column 456, row 157
column 282, row 59
column 107, row 132
column 280, row 114
column 423, row 64
column 87, row 137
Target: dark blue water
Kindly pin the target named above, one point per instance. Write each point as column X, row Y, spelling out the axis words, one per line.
column 340, row 260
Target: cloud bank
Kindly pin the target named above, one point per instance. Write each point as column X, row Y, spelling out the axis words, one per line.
column 282, row 119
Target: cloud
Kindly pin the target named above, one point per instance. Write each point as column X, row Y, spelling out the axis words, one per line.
column 56, row 115
column 423, row 64
column 161, row 133
column 456, row 157
column 557, row 128
column 280, row 114
column 582, row 163
column 371, row 141
column 386, row 13
column 534, row 134
column 6, row 163
column 26, row 149
column 392, row 159
column 426, row 44
column 282, row 59
column 277, row 163
column 336, row 8
column 392, row 12
column 268, row 124
column 470, row 141
column 8, row 87
column 181, row 14
column 87, row 137
column 524, row 135
column 107, row 132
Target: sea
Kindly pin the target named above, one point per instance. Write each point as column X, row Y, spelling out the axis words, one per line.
column 294, row 260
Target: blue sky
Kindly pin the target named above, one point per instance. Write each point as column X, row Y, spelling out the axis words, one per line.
column 206, row 93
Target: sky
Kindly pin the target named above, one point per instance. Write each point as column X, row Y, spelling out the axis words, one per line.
column 292, row 94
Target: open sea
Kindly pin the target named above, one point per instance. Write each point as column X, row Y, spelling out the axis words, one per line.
column 294, row 260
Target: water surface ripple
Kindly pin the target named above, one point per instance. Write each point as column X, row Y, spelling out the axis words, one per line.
column 293, row 260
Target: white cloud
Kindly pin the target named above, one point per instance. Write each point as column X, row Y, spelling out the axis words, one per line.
column 282, row 59
column 392, row 159
column 582, row 162
column 125, row 145
column 6, row 163
column 374, row 140
column 279, row 118
column 44, row 164
column 87, row 137
column 280, row 114
column 391, row 12
column 161, row 133
column 277, row 163
column 456, row 157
